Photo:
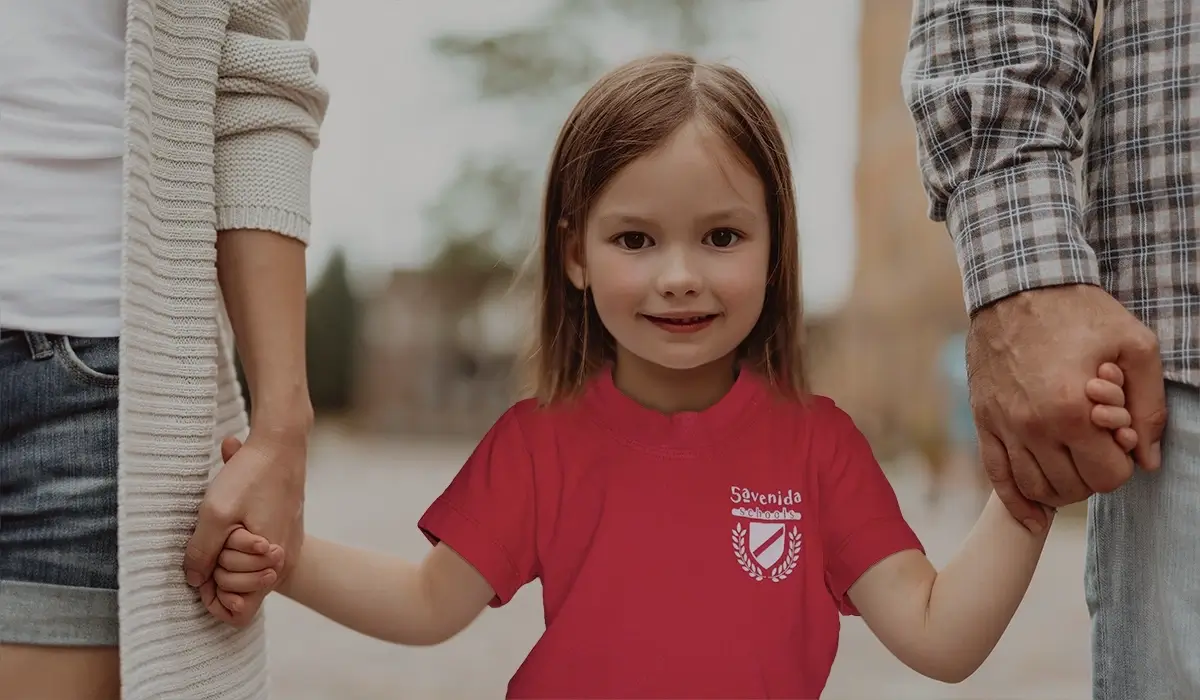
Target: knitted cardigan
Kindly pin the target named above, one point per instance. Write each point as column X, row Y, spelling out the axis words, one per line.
column 223, row 108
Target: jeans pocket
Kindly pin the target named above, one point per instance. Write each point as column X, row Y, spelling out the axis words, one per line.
column 94, row 361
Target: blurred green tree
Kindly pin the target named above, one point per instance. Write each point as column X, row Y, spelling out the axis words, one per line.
column 541, row 68
column 332, row 337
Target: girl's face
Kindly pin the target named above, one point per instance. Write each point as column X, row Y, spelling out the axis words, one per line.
column 676, row 250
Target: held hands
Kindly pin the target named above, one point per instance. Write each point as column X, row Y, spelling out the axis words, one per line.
column 1030, row 358
column 260, row 490
column 248, row 564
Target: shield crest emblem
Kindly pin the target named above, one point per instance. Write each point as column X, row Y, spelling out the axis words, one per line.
column 767, row 542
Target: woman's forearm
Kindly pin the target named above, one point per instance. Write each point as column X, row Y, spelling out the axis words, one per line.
column 263, row 279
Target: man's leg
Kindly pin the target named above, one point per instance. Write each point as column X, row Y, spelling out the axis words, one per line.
column 1143, row 570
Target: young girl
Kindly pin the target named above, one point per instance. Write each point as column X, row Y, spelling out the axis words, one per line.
column 698, row 522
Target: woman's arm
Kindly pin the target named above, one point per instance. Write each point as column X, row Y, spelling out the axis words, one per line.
column 263, row 279
column 386, row 597
column 269, row 107
column 944, row 624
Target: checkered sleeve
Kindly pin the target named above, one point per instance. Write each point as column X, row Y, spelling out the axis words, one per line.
column 997, row 92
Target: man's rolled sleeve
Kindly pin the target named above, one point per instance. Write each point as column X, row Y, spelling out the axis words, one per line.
column 1018, row 229
column 997, row 92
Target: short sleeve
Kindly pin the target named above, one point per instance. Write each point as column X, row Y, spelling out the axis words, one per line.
column 861, row 522
column 487, row 513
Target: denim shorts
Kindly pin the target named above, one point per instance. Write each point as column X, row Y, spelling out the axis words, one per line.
column 58, row 489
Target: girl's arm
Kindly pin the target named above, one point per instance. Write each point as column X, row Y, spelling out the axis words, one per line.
column 944, row 624
column 386, row 597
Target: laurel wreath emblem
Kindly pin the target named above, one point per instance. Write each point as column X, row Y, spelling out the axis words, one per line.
column 777, row 573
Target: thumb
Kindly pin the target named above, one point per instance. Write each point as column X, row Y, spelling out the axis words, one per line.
column 200, row 557
column 229, row 447
column 1145, row 397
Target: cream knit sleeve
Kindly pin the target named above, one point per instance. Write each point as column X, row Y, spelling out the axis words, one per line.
column 269, row 110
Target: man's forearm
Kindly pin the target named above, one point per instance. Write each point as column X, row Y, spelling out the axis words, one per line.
column 263, row 280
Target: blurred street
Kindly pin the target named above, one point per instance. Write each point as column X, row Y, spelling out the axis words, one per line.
column 370, row 492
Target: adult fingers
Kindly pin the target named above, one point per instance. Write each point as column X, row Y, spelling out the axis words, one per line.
column 1145, row 394
column 1027, row 474
column 994, row 456
column 1066, row 483
column 206, row 543
column 209, row 597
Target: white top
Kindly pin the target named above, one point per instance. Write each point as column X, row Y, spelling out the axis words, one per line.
column 62, row 80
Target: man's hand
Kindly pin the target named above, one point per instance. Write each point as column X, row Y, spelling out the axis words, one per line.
column 1029, row 357
column 260, row 488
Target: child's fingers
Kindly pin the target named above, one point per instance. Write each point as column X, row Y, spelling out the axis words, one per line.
column 1126, row 438
column 243, row 540
column 241, row 563
column 1104, row 392
column 1110, row 372
column 252, row 582
column 1111, row 417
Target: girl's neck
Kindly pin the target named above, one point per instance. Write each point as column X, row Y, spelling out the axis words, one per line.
column 673, row 390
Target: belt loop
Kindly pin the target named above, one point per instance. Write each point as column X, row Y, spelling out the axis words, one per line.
column 39, row 345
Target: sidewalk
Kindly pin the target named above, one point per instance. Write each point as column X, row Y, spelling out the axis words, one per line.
column 371, row 494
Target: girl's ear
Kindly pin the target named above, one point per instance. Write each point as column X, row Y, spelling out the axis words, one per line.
column 573, row 243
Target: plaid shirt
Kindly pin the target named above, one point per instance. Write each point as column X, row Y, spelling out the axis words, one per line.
column 999, row 92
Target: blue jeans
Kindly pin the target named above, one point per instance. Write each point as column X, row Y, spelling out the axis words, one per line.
column 58, row 489
column 1143, row 571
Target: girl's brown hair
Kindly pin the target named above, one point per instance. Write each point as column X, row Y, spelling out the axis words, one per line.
column 627, row 113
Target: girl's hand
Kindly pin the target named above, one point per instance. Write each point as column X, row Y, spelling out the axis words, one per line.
column 247, row 564
column 1109, row 412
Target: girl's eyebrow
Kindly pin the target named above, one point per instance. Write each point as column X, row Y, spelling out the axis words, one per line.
column 735, row 212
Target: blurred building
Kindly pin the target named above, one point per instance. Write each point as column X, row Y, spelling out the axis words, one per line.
column 441, row 352
column 878, row 357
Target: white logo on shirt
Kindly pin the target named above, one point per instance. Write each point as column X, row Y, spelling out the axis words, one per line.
column 766, row 541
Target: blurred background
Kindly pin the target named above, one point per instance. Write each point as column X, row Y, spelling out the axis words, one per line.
column 426, row 194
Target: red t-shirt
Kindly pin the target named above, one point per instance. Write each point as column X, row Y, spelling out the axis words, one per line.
column 694, row 555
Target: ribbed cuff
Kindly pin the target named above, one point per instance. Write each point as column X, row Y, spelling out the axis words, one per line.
column 288, row 223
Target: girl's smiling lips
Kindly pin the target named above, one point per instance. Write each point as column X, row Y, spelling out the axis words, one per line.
column 688, row 322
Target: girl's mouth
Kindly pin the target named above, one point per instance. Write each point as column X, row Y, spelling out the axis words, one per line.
column 688, row 324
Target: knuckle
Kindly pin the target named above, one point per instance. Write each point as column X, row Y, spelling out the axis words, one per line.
column 1143, row 342
column 1157, row 419
column 210, row 510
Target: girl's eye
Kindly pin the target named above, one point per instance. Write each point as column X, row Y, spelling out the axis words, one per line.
column 723, row 237
column 632, row 240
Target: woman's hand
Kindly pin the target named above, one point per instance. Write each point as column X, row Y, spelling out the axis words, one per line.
column 261, row 488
